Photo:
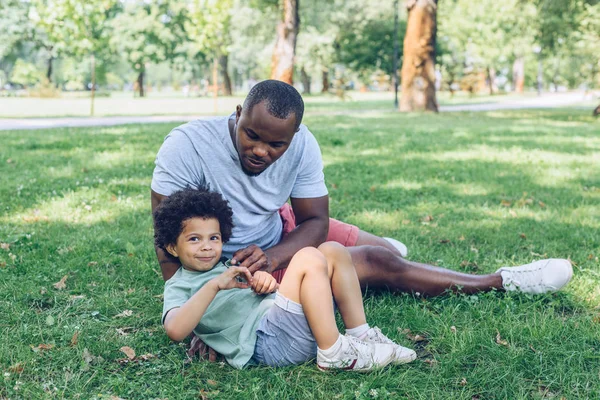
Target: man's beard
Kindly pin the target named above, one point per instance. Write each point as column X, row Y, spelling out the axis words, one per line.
column 248, row 172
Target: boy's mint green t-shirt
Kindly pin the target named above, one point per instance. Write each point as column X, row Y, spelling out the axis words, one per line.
column 230, row 321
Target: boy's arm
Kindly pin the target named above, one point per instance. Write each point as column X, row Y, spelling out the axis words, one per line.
column 180, row 322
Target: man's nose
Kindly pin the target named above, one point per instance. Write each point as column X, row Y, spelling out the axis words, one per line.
column 259, row 151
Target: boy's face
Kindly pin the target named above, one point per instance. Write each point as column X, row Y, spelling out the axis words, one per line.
column 199, row 246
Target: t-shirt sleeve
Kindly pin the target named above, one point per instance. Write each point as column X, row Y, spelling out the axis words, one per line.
column 175, row 295
column 310, row 182
column 175, row 166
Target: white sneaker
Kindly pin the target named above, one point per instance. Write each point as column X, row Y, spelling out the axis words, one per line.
column 538, row 277
column 356, row 355
column 401, row 247
column 402, row 355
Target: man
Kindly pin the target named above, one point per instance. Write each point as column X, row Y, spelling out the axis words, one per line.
column 260, row 157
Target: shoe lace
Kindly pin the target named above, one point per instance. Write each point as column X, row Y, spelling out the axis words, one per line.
column 379, row 337
column 358, row 346
column 524, row 278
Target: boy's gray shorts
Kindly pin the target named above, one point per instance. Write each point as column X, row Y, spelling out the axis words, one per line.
column 283, row 336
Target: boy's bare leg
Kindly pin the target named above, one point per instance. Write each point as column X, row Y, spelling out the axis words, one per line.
column 344, row 284
column 306, row 282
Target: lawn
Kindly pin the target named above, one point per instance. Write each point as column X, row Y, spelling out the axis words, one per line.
column 474, row 192
column 123, row 103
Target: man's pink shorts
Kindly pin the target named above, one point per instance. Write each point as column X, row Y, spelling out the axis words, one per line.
column 340, row 232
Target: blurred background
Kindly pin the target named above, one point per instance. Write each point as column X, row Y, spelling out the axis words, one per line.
column 444, row 52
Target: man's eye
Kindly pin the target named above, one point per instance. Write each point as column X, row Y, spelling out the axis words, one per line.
column 251, row 135
column 276, row 145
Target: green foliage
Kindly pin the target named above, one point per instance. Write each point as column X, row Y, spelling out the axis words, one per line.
column 25, row 74
column 365, row 38
column 149, row 31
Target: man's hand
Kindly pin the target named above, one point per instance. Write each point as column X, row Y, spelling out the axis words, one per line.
column 263, row 283
column 253, row 258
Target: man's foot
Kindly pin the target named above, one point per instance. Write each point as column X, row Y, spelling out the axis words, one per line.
column 356, row 355
column 538, row 277
column 401, row 247
column 402, row 355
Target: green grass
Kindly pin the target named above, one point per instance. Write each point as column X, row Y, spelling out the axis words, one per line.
column 122, row 104
column 469, row 191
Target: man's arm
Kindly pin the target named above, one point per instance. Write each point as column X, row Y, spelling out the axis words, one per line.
column 168, row 267
column 312, row 226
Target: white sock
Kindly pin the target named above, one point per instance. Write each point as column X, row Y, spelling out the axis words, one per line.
column 334, row 349
column 358, row 332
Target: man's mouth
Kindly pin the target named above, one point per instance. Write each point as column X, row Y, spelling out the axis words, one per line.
column 255, row 163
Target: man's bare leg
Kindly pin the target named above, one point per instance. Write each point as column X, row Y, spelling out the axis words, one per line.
column 368, row 239
column 379, row 267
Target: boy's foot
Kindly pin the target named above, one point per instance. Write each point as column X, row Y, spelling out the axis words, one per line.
column 538, row 277
column 401, row 247
column 356, row 355
column 402, row 355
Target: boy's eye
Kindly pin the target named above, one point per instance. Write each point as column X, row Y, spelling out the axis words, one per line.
column 193, row 239
column 215, row 238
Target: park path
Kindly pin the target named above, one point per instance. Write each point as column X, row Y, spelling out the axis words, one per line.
column 546, row 101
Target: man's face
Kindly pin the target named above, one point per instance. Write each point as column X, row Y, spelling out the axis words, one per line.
column 260, row 138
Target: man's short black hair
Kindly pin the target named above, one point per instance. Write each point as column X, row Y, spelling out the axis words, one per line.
column 282, row 100
column 185, row 204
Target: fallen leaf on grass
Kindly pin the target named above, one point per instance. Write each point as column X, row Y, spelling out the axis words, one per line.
column 542, row 204
column 522, row 236
column 591, row 257
column 113, row 397
column 532, row 349
column 406, row 222
column 513, row 213
column 505, row 203
column 427, row 218
column 2, row 264
column 203, row 395
column 92, row 263
column 75, row 338
column 5, row 246
column 16, row 368
column 125, row 313
column 60, row 285
column 42, row 346
column 431, row 362
column 138, row 359
column 444, row 241
column 124, row 331
column 463, row 382
column 461, row 238
column 129, row 352
column 212, row 383
column 501, row 341
column 453, row 329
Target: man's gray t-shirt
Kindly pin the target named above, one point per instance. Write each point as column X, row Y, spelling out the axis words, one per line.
column 202, row 153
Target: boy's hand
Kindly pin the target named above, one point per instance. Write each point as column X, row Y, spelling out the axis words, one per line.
column 227, row 280
column 263, row 283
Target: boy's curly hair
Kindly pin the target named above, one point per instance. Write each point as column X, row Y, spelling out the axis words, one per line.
column 188, row 203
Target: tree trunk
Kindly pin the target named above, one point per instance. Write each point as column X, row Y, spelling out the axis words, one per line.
column 491, row 78
column 282, row 62
column 93, row 94
column 223, row 64
column 49, row 70
column 305, row 81
column 418, row 68
column 518, row 77
column 140, row 81
column 325, row 80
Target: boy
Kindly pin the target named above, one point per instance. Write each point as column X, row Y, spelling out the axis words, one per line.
column 270, row 324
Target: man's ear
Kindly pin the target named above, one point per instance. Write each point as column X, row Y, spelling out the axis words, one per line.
column 238, row 113
column 171, row 249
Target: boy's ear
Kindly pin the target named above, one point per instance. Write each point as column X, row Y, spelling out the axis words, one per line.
column 171, row 249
